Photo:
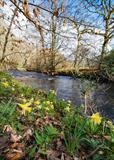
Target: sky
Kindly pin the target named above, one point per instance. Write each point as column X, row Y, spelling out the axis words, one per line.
column 29, row 32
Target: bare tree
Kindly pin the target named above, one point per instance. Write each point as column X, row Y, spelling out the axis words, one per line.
column 104, row 9
column 7, row 35
column 78, row 15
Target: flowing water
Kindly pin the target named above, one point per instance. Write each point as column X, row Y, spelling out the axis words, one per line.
column 69, row 88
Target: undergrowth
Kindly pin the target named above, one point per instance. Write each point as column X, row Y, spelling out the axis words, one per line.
column 35, row 125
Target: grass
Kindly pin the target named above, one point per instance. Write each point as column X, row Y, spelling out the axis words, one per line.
column 8, row 113
column 35, row 125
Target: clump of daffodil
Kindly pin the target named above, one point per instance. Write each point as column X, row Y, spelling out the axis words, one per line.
column 25, row 107
column 38, row 104
column 96, row 118
column 5, row 84
column 47, row 105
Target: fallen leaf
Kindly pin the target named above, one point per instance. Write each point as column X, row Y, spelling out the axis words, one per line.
column 8, row 129
column 15, row 138
column 53, row 155
column 107, row 138
column 28, row 134
column 14, row 155
column 16, row 145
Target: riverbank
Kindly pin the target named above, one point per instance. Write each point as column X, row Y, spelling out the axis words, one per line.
column 101, row 94
column 35, row 125
column 90, row 74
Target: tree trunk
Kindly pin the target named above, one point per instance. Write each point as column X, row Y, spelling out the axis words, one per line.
column 53, row 46
column 7, row 36
column 105, row 41
column 76, row 60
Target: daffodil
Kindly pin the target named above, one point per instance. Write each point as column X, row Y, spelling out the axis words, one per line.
column 37, row 102
column 51, row 106
column 13, row 89
column 47, row 108
column 48, row 102
column 96, row 118
column 110, row 125
column 67, row 109
column 69, row 101
column 25, row 107
column 39, row 106
column 22, row 95
column 5, row 84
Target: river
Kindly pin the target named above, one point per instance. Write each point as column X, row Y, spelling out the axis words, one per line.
column 101, row 96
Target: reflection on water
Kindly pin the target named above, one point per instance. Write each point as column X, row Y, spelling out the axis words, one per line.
column 70, row 89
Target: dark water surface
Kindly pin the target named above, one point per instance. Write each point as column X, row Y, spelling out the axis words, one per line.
column 69, row 88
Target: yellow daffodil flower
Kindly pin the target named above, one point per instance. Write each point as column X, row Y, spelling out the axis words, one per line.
column 22, row 95
column 25, row 108
column 48, row 102
column 51, row 106
column 5, row 84
column 37, row 102
column 67, row 109
column 47, row 108
column 110, row 125
column 39, row 106
column 96, row 118
column 69, row 101
column 13, row 89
